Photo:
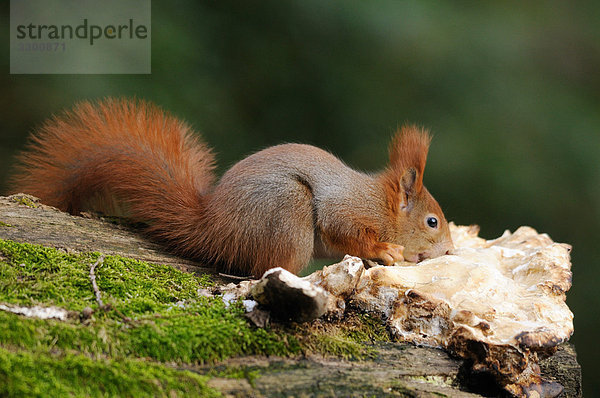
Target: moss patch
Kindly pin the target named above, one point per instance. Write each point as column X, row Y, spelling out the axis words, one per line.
column 24, row 200
column 31, row 274
column 154, row 318
column 236, row 372
column 167, row 319
column 348, row 338
column 40, row 374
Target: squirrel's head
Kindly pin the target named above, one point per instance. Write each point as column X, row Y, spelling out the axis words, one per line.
column 418, row 221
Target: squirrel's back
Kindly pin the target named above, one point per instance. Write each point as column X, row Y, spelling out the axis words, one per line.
column 283, row 197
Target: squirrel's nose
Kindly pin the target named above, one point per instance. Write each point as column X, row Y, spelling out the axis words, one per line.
column 450, row 247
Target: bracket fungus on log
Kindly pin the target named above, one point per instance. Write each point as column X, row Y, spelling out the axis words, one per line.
column 499, row 303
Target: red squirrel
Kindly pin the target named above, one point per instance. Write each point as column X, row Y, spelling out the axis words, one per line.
column 277, row 207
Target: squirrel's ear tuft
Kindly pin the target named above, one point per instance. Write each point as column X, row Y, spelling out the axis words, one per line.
column 408, row 155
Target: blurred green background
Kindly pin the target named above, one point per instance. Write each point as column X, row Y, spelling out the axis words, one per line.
column 510, row 91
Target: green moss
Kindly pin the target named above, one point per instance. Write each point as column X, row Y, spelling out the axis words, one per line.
column 24, row 200
column 32, row 274
column 236, row 372
column 41, row 374
column 339, row 345
column 169, row 319
column 211, row 333
column 3, row 224
column 35, row 275
column 366, row 328
column 190, row 338
column 348, row 338
column 153, row 312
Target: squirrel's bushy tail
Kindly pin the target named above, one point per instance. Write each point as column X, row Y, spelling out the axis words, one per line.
column 128, row 149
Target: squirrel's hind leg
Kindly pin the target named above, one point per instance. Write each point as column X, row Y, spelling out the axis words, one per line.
column 272, row 225
column 290, row 241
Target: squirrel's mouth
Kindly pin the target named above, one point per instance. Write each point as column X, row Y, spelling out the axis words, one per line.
column 424, row 256
column 414, row 258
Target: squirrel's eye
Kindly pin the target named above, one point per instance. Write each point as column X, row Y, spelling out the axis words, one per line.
column 432, row 222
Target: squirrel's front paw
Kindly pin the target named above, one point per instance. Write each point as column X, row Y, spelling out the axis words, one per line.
column 390, row 253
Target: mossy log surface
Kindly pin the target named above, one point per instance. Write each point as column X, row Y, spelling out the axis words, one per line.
column 395, row 370
column 161, row 331
column 24, row 219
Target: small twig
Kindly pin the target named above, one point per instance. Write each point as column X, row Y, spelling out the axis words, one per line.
column 106, row 307
column 93, row 279
column 240, row 278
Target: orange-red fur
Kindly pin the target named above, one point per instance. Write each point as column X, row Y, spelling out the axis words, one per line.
column 277, row 207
